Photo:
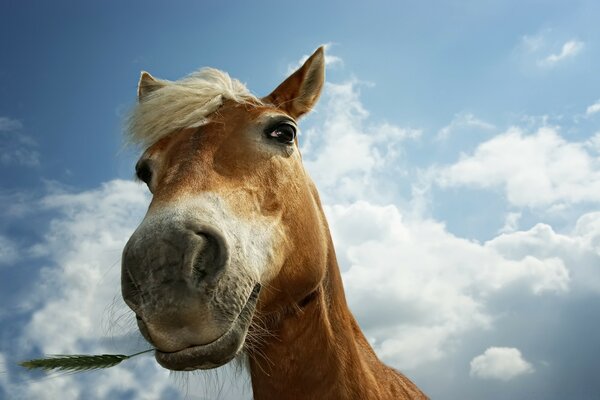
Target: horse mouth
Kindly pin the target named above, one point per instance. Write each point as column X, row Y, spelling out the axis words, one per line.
column 217, row 353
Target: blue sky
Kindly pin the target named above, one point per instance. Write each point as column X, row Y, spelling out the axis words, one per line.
column 461, row 141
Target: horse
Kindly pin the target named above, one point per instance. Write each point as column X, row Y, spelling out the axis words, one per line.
column 234, row 257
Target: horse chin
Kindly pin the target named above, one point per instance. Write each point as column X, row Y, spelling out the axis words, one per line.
column 218, row 352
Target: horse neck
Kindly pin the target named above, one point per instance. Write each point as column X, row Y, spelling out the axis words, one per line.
column 317, row 352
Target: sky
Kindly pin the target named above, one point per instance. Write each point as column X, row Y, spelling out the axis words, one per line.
column 456, row 148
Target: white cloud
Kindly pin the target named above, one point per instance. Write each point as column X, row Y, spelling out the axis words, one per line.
column 415, row 287
column 15, row 204
column 81, row 250
column 533, row 43
column 511, row 222
column 462, row 122
column 568, row 50
column 579, row 249
column 418, row 290
column 9, row 124
column 593, row 143
column 501, row 363
column 344, row 151
column 76, row 306
column 8, row 251
column 593, row 109
column 535, row 170
column 547, row 49
column 16, row 148
column 4, row 377
column 141, row 379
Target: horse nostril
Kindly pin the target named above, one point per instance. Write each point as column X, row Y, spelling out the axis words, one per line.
column 210, row 260
column 179, row 259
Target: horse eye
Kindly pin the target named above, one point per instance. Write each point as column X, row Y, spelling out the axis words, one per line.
column 284, row 133
column 143, row 171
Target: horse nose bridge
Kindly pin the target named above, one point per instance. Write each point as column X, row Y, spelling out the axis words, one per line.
column 160, row 256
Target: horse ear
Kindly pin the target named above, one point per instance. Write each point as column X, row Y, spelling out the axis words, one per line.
column 147, row 85
column 300, row 91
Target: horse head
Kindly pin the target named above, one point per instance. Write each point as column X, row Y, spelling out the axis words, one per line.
column 234, row 229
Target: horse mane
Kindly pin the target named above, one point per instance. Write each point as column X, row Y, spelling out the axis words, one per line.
column 186, row 103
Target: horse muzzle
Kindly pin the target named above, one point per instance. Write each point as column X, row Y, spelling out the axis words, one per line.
column 189, row 302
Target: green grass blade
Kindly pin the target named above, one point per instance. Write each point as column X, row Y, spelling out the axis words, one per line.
column 77, row 362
